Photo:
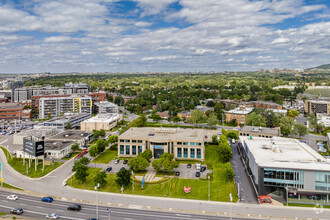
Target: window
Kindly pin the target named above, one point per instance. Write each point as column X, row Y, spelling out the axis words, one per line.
column 139, row 141
column 179, row 143
column 121, row 140
column 133, row 141
column 139, row 149
column 185, row 152
column 192, row 153
column 127, row 141
column 199, row 153
column 192, row 143
column 185, row 143
column 127, row 149
column 121, row 149
column 199, row 144
column 134, row 150
column 179, row 152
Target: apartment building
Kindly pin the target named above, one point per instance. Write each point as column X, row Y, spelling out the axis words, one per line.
column 10, row 111
column 239, row 114
column 105, row 107
column 317, row 106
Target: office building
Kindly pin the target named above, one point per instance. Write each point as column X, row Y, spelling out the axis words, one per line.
column 187, row 144
column 61, row 122
column 260, row 131
column 10, row 111
column 105, row 107
column 317, row 106
column 238, row 114
column 287, row 167
column 323, row 119
column 101, row 121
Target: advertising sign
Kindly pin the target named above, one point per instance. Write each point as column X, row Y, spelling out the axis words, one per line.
column 34, row 148
column 158, row 147
column 187, row 189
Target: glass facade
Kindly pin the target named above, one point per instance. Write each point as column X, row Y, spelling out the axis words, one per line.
column 139, row 149
column 121, row 149
column 322, row 181
column 185, row 152
column 199, row 153
column 127, row 149
column 134, row 150
column 192, row 153
column 192, row 143
column 283, row 178
column 179, row 152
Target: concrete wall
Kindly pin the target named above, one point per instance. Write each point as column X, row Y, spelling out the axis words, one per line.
column 309, row 180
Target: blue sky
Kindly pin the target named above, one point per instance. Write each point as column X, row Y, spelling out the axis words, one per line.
column 162, row 35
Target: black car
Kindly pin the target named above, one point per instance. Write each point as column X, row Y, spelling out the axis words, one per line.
column 74, row 207
column 68, row 155
column 203, row 169
column 198, row 174
column 125, row 161
column 108, row 169
column 16, row 211
column 189, row 165
column 177, row 173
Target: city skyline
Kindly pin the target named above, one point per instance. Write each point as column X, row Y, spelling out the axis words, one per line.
column 162, row 35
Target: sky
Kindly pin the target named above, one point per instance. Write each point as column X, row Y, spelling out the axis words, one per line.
column 162, row 35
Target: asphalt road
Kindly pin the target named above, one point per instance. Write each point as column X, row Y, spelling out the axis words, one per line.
column 34, row 208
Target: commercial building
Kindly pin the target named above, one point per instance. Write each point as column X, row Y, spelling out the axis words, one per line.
column 317, row 106
column 10, row 111
column 187, row 144
column 40, row 133
column 60, row 123
column 323, row 119
column 101, row 121
column 105, row 107
column 56, row 106
column 287, row 167
column 259, row 131
column 238, row 114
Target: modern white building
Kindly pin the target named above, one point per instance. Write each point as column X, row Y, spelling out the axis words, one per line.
column 105, row 107
column 289, row 166
column 60, row 123
column 101, row 121
column 323, row 119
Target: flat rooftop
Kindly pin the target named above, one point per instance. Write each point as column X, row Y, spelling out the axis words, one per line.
column 255, row 129
column 70, row 135
column 169, row 134
column 320, row 101
column 37, row 132
column 103, row 118
column 285, row 153
column 66, row 118
column 243, row 111
column 7, row 106
column 56, row 145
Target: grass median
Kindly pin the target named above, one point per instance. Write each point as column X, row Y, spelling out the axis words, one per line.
column 106, row 156
column 174, row 188
column 6, row 185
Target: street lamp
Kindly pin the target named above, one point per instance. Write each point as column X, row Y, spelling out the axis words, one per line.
column 133, row 182
column 231, row 208
column 109, row 211
column 209, row 177
column 97, row 202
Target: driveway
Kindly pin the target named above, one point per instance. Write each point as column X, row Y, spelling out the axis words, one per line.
column 189, row 173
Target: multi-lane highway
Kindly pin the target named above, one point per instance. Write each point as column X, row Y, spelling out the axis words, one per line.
column 34, row 208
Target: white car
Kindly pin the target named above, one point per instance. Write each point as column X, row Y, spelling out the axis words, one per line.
column 12, row 197
column 52, row 216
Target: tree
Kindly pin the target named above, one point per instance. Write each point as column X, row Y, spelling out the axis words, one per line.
column 123, row 177
column 212, row 120
column 100, row 178
column 232, row 135
column 93, row 151
column 113, row 139
column 117, row 100
column 158, row 106
column 176, row 119
column 196, row 116
column 84, row 161
column 286, row 124
column 215, row 139
column 101, row 144
column 166, row 163
column 300, row 129
column 68, row 126
column 81, row 173
column 147, row 154
column 138, row 164
column 229, row 172
column 292, row 113
column 75, row 147
column 155, row 117
column 102, row 132
column 224, row 149
column 256, row 120
column 110, row 98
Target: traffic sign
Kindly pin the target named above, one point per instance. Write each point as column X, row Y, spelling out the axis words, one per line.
column 1, row 179
column 143, row 181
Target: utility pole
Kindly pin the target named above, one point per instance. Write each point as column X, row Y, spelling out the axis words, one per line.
column 209, row 186
column 133, row 182
column 231, row 208
column 109, row 211
column 97, row 203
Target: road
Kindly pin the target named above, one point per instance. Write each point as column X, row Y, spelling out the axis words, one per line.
column 34, row 208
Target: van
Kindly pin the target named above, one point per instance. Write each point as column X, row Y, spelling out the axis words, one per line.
column 233, row 141
column 198, row 166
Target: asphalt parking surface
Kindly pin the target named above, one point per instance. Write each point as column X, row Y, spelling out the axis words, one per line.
column 189, row 173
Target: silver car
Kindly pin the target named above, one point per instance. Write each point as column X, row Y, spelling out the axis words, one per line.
column 52, row 216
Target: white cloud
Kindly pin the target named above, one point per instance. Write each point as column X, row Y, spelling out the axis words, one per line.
column 158, row 58
column 152, row 7
column 281, row 40
column 56, row 39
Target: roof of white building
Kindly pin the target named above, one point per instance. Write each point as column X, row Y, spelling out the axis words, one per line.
column 106, row 118
column 285, row 153
column 240, row 111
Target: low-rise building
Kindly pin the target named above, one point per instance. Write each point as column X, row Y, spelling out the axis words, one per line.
column 101, row 121
column 11, row 111
column 239, row 114
column 60, row 123
column 182, row 143
column 289, row 166
column 323, row 119
column 40, row 132
column 259, row 131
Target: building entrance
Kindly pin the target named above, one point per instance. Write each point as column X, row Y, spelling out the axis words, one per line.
column 158, row 153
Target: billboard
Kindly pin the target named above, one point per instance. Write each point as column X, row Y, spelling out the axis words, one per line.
column 34, row 148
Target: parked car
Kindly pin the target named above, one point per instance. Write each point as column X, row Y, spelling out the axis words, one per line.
column 12, row 197
column 68, row 155
column 116, row 161
column 52, row 216
column 74, row 207
column 203, row 169
column 47, row 199
column 16, row 211
column 198, row 174
column 108, row 169
column 177, row 173
column 125, row 161
column 198, row 166
column 233, row 141
column 189, row 165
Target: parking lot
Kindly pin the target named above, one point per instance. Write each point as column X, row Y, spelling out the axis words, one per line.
column 189, row 173
column 115, row 167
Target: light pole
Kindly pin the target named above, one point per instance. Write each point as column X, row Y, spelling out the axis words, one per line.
column 133, row 182
column 231, row 208
column 97, row 202
column 209, row 186
column 109, row 211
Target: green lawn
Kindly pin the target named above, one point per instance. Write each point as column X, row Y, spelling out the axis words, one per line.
column 2, row 213
column 6, row 185
column 106, row 156
column 6, row 152
column 220, row 187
